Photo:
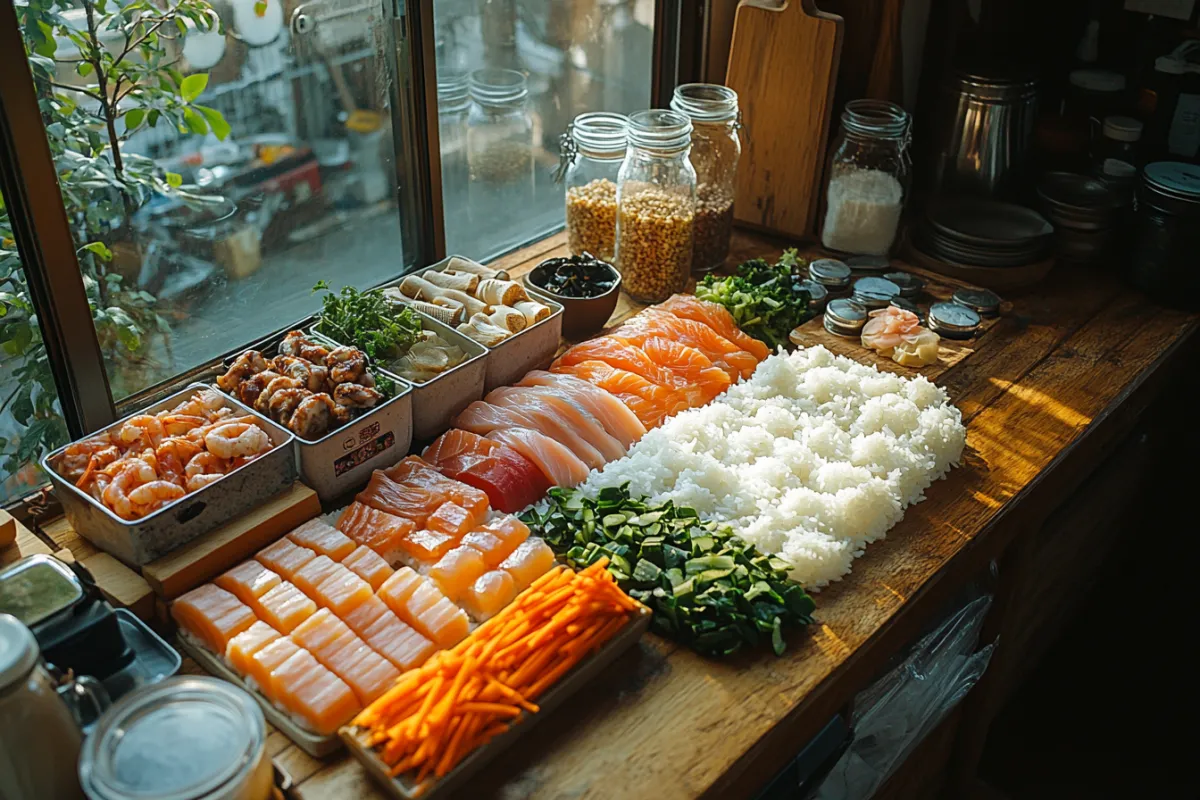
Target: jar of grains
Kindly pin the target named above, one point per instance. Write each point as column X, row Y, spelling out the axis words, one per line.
column 593, row 149
column 454, row 106
column 656, row 206
column 716, row 149
column 868, row 178
column 500, row 129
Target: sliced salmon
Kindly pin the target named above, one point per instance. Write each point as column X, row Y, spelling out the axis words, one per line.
column 393, row 639
column 411, row 502
column 242, row 647
column 418, row 602
column 651, row 402
column 312, row 692
column 368, row 565
column 528, row 562
column 338, row 649
column 323, row 539
column 285, row 607
column 490, row 592
column 629, row 357
column 212, row 616
column 726, row 355
column 549, row 408
column 378, row 530
column 266, row 660
column 342, row 591
column 309, row 577
column 415, row 471
column 248, row 581
column 621, row 423
column 456, row 571
column 488, row 418
column 560, row 466
column 453, row 520
column 686, row 306
column 689, row 364
column 497, row 540
column 510, row 480
column 285, row 557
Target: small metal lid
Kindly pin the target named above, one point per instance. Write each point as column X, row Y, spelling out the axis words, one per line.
column 910, row 285
column 868, row 262
column 953, row 321
column 829, row 272
column 1172, row 186
column 903, row 303
column 875, row 292
column 817, row 294
column 983, row 301
column 846, row 313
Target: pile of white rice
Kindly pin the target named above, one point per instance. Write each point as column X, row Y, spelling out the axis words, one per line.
column 812, row 458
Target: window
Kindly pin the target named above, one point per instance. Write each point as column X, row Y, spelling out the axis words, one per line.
column 511, row 75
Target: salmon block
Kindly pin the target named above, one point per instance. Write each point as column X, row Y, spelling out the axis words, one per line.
column 378, row 530
column 310, row 691
column 322, row 538
column 242, row 647
column 497, row 540
column 510, row 480
column 527, row 563
column 426, row 547
column 266, row 660
column 212, row 615
column 285, row 557
column 421, row 604
column 453, row 520
column 342, row 591
column 490, row 593
column 412, row 502
column 396, row 641
column 248, row 581
column 368, row 565
column 309, row 577
column 457, row 570
column 415, row 472
column 285, row 607
column 338, row 649
column 398, row 588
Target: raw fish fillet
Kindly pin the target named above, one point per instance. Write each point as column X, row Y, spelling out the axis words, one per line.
column 285, row 557
column 417, row 601
column 689, row 364
column 527, row 563
column 631, row 358
column 687, row 306
column 563, row 411
column 487, row 418
column 412, row 502
column 339, row 650
column 313, row 693
column 242, row 647
column 560, row 466
column 650, row 402
column 457, row 571
column 309, row 577
column 422, row 548
column 621, row 423
column 498, row 539
column 491, row 592
column 368, row 565
column 342, row 591
column 415, row 471
column 725, row 354
column 510, row 480
column 248, row 581
column 396, row 641
column 452, row 520
column 284, row 607
column 324, row 539
column 378, row 530
column 212, row 615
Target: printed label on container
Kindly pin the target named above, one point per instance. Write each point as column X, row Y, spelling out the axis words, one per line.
column 364, row 454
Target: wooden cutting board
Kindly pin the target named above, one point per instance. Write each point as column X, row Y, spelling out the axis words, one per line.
column 783, row 64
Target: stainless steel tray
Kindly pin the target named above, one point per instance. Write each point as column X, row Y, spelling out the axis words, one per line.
column 141, row 541
column 402, row 787
column 532, row 348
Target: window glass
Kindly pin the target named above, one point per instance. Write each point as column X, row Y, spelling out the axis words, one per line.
column 216, row 160
column 31, row 421
column 512, row 74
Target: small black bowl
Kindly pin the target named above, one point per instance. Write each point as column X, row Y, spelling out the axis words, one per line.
column 582, row 316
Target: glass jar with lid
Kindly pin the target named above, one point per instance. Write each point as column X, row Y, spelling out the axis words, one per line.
column 656, row 206
column 500, row 129
column 716, row 149
column 869, row 173
column 454, row 106
column 593, row 149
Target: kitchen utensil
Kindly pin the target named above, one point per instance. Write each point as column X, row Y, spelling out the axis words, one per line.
column 783, row 64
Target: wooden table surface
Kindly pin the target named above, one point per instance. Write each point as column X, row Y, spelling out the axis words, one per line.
column 1046, row 392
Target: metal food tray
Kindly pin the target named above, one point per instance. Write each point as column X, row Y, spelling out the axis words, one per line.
column 344, row 458
column 402, row 788
column 314, row 744
column 141, row 541
column 532, row 348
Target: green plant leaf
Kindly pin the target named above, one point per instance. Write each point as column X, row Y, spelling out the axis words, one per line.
column 83, row 69
column 154, row 117
column 216, row 121
column 98, row 249
column 195, row 122
column 174, row 180
column 133, row 118
column 192, row 86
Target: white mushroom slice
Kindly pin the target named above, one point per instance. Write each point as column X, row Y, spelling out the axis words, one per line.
column 500, row 293
column 418, row 288
column 508, row 318
column 463, row 281
column 534, row 311
column 457, row 264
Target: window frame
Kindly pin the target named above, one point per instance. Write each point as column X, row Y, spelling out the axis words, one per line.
column 29, row 181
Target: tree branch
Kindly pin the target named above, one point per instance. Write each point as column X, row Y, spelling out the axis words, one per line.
column 132, row 45
column 79, row 89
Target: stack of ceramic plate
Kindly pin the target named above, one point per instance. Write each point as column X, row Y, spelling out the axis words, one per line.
column 985, row 233
column 1084, row 212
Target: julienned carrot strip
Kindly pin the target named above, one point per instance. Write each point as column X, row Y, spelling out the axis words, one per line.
column 499, row 709
column 416, row 721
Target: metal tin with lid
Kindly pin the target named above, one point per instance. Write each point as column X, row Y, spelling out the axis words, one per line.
column 37, row 588
column 188, row 738
column 1166, row 234
column 817, row 294
column 910, row 285
column 984, row 302
column 873, row 292
column 845, row 317
column 953, row 321
column 830, row 273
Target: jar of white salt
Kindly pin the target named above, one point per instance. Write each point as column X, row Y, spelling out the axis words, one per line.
column 868, row 178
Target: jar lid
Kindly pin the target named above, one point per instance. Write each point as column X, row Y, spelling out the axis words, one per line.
column 874, row 292
column 705, row 102
column 817, row 294
column 953, row 320
column 983, row 301
column 19, row 651
column 910, row 285
column 452, row 89
column 1098, row 80
column 877, row 117
column 657, row 129
column 830, row 272
column 868, row 262
column 491, row 87
column 182, row 739
column 846, row 313
column 904, row 304
column 602, row 132
column 1173, row 186
column 1122, row 129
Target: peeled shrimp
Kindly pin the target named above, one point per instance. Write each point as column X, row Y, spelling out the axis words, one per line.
column 237, row 439
column 134, row 473
column 263, row 403
column 311, row 420
column 155, row 494
column 311, row 375
column 144, row 429
column 284, row 403
column 354, row 395
column 179, row 424
column 297, row 344
column 247, row 364
column 348, row 365
column 249, row 389
column 886, row 328
column 207, row 403
column 98, row 461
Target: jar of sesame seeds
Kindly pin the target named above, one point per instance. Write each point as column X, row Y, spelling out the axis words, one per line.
column 656, row 206
column 593, row 149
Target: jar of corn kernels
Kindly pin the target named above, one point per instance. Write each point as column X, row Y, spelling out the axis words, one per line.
column 593, row 149
column 656, row 206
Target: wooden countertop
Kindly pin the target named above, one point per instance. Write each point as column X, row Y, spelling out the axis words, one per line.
column 1045, row 393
